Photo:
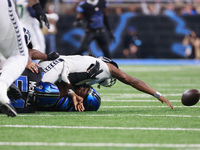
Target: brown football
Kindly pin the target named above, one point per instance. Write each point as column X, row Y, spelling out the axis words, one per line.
column 190, row 97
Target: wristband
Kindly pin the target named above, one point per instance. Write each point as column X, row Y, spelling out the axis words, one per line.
column 70, row 91
column 157, row 94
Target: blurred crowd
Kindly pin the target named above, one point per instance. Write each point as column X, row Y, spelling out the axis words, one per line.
column 142, row 7
column 132, row 43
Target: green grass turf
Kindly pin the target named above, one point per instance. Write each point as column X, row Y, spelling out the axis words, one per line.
column 135, row 119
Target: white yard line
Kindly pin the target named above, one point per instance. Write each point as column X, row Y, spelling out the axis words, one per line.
column 137, row 94
column 100, row 144
column 144, row 106
column 103, row 100
column 97, row 128
column 107, row 115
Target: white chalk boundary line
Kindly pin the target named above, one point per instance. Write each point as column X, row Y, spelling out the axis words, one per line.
column 100, row 144
column 108, row 115
column 136, row 100
column 145, row 106
column 136, row 94
column 97, row 128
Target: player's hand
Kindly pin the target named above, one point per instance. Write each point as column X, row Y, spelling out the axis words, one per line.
column 163, row 99
column 40, row 15
column 52, row 56
column 32, row 66
column 93, row 70
column 78, row 102
column 112, row 37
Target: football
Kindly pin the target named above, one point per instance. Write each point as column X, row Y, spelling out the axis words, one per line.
column 190, row 97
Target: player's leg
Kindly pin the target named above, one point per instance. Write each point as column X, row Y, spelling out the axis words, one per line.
column 88, row 37
column 103, row 43
column 13, row 48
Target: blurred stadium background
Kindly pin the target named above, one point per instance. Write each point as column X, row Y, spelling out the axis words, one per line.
column 161, row 35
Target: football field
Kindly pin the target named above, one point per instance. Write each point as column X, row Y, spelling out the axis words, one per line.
column 127, row 119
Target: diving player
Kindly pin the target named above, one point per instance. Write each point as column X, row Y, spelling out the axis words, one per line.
column 94, row 12
column 13, row 48
column 72, row 70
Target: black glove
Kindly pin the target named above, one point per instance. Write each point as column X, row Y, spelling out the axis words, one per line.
column 52, row 56
column 40, row 15
column 112, row 37
column 93, row 70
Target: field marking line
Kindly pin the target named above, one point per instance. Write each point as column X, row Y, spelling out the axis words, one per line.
column 99, row 144
column 145, row 106
column 109, row 128
column 137, row 94
column 137, row 101
column 108, row 115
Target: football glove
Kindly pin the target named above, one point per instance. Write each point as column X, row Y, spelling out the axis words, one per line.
column 52, row 56
column 40, row 15
column 93, row 70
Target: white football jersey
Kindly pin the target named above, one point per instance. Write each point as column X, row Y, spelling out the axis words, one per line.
column 60, row 68
column 31, row 24
column 23, row 13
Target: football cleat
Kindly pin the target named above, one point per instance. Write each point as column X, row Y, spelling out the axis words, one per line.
column 8, row 109
column 13, row 92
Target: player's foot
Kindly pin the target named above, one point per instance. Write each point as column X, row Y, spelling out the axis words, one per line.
column 14, row 92
column 8, row 109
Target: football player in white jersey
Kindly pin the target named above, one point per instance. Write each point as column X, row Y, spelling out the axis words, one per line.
column 13, row 48
column 73, row 70
column 28, row 18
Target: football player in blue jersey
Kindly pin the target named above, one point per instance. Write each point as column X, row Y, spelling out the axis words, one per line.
column 47, row 98
column 94, row 12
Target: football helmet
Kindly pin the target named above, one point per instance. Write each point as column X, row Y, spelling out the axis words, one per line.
column 93, row 101
column 27, row 36
column 46, row 94
column 110, row 81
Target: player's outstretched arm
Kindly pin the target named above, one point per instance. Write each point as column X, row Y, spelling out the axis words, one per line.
column 137, row 84
column 40, row 15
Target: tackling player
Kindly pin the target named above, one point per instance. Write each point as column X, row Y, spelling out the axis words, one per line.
column 94, row 12
column 72, row 70
column 13, row 48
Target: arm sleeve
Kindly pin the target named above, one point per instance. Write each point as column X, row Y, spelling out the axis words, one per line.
column 31, row 11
